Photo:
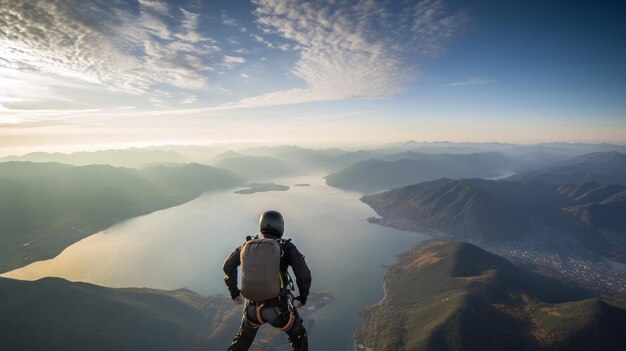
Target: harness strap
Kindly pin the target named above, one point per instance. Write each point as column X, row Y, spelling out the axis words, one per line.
column 258, row 314
column 247, row 319
column 288, row 325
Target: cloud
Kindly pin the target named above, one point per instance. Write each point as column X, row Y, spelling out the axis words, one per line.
column 333, row 116
column 473, row 81
column 189, row 27
column 191, row 99
column 155, row 5
column 233, row 61
column 116, row 46
column 354, row 50
column 227, row 20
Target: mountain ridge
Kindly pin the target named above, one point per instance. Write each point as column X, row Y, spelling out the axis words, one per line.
column 55, row 314
column 464, row 298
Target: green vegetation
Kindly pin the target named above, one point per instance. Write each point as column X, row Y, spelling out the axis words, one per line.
column 472, row 208
column 54, row 314
column 489, row 210
column 46, row 207
column 456, row 296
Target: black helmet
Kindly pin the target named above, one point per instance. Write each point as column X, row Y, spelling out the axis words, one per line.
column 272, row 222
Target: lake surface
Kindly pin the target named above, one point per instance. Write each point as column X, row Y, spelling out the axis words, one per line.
column 185, row 246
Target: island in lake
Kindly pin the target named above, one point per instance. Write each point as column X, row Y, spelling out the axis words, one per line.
column 302, row 184
column 262, row 187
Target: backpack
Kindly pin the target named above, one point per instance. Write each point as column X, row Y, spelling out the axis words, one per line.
column 261, row 279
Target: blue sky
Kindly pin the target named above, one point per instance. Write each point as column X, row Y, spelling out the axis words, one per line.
column 84, row 74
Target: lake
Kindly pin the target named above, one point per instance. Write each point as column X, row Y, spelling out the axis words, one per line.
column 185, row 246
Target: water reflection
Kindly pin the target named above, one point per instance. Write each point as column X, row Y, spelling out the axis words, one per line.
column 186, row 245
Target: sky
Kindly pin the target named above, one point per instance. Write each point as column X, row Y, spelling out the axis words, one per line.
column 86, row 74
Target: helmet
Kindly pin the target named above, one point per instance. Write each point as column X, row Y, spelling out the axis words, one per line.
column 272, row 222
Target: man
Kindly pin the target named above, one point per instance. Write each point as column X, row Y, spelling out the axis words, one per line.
column 265, row 284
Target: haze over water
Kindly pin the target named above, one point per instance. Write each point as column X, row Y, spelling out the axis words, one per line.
column 185, row 246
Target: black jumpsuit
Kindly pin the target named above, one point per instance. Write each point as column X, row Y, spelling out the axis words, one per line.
column 276, row 311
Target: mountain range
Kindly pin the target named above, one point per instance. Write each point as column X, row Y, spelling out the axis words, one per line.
column 599, row 167
column 132, row 157
column 456, row 296
column 497, row 211
column 255, row 167
column 400, row 169
column 375, row 175
column 490, row 210
column 46, row 207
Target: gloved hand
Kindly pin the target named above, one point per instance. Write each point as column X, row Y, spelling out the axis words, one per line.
column 238, row 299
column 301, row 301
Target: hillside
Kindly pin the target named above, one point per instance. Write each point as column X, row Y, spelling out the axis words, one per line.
column 48, row 206
column 473, row 209
column 456, row 296
column 375, row 175
column 54, row 314
column 489, row 210
column 598, row 167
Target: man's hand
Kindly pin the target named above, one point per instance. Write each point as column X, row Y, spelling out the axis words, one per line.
column 238, row 299
column 301, row 302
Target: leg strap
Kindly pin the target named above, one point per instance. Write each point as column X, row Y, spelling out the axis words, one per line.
column 258, row 313
column 289, row 323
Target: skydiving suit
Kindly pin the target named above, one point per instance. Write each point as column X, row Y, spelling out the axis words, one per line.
column 279, row 312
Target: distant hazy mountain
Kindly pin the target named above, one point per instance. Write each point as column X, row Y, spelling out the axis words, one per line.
column 190, row 179
column 46, row 207
column 193, row 153
column 456, row 296
column 375, row 175
column 496, row 211
column 600, row 167
column 227, row 155
column 133, row 157
column 302, row 159
column 54, row 314
column 561, row 149
column 256, row 167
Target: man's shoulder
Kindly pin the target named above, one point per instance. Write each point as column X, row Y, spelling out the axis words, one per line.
column 287, row 244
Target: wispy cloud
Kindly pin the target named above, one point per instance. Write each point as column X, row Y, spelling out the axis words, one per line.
column 70, row 54
column 227, row 20
column 333, row 116
column 155, row 5
column 473, row 81
column 362, row 49
column 191, row 99
column 233, row 61
column 104, row 45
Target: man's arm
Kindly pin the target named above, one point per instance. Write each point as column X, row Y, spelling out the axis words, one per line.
column 230, row 272
column 301, row 270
